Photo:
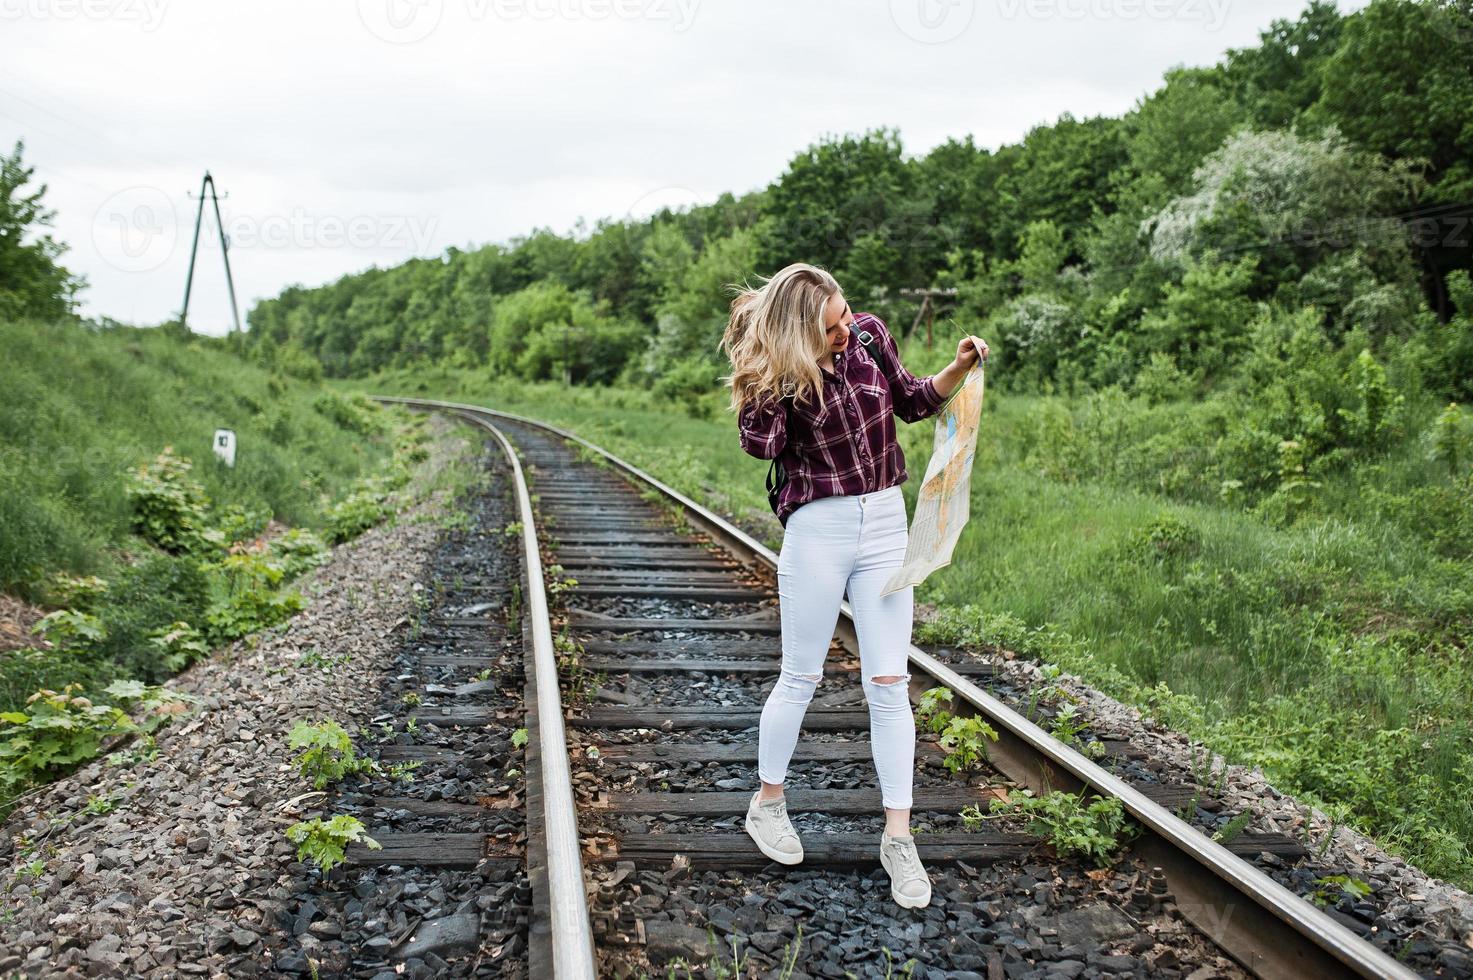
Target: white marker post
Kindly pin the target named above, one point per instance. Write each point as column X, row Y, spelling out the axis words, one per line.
column 225, row 446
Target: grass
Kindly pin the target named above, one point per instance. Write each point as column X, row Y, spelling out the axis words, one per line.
column 1331, row 652
column 84, row 406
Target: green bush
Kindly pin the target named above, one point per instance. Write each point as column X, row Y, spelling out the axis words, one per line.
column 60, row 729
column 169, row 508
column 298, row 550
column 246, row 598
column 356, row 513
column 1166, row 538
column 355, row 413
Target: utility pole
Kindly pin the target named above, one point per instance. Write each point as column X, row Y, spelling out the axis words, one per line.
column 928, row 308
column 208, row 184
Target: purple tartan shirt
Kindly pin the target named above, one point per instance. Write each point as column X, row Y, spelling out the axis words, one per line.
column 845, row 444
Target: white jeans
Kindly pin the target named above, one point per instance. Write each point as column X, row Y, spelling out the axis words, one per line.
column 830, row 545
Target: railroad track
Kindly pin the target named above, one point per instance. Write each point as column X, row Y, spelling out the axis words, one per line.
column 668, row 641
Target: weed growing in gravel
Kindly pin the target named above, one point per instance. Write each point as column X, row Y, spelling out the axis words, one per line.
column 557, row 586
column 325, row 843
column 1067, row 724
column 1330, row 889
column 1188, row 809
column 1095, row 829
column 963, row 739
column 1233, row 827
column 929, row 711
column 514, row 606
column 246, row 599
column 1047, row 692
column 326, row 663
column 579, row 683
column 454, row 520
column 99, row 805
column 143, row 751
column 1338, row 813
column 327, row 754
column 411, row 699
column 357, row 512
column 965, row 742
column 403, row 772
column 31, row 871
column 519, row 738
column 512, row 528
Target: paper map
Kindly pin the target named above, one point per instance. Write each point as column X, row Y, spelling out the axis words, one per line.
column 942, row 506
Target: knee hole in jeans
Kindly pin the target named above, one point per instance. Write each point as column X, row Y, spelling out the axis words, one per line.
column 888, row 692
column 796, row 688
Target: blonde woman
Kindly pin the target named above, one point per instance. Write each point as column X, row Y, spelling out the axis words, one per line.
column 807, row 393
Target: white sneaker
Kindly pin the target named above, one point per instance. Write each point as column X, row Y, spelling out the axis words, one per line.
column 769, row 826
column 910, row 886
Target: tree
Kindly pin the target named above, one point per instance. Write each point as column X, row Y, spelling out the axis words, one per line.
column 32, row 283
column 1059, row 173
column 1278, row 80
column 1171, row 131
column 1291, row 202
column 1400, row 85
column 834, row 193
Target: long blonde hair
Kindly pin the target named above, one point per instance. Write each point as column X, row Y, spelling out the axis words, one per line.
column 776, row 335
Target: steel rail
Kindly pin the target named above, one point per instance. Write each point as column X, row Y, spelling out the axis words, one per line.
column 1272, row 932
column 573, row 956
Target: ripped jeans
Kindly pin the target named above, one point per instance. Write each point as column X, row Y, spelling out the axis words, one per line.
column 834, row 544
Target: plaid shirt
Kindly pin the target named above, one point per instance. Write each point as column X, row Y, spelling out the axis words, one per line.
column 845, row 444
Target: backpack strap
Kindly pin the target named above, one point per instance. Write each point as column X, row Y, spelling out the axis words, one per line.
column 777, row 474
column 874, row 349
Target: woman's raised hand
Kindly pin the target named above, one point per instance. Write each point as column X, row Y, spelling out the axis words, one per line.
column 967, row 351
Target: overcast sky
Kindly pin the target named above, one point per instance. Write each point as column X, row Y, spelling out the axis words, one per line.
column 353, row 133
